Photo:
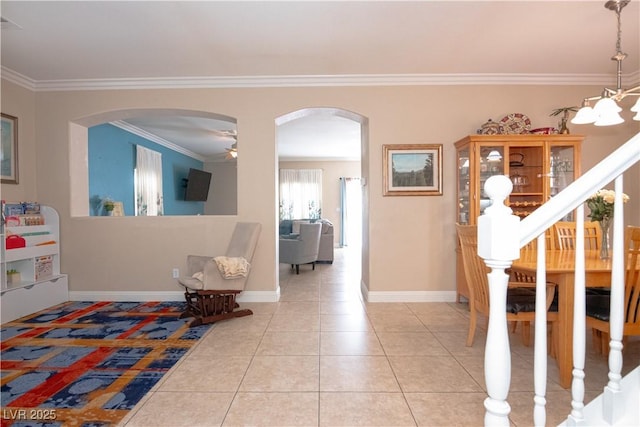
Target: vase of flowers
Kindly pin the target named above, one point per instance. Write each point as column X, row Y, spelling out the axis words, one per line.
column 108, row 206
column 605, row 225
column 601, row 207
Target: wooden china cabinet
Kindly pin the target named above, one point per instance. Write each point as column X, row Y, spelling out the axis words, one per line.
column 539, row 167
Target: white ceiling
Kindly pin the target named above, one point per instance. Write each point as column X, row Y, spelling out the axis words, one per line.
column 52, row 45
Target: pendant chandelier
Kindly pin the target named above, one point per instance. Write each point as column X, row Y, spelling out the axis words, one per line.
column 606, row 111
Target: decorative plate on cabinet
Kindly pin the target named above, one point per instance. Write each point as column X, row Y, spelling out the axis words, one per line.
column 490, row 128
column 515, row 123
column 543, row 131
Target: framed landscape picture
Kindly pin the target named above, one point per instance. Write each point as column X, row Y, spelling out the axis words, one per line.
column 412, row 169
column 9, row 150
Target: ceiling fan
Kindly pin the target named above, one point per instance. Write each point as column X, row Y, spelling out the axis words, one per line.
column 221, row 133
column 232, row 152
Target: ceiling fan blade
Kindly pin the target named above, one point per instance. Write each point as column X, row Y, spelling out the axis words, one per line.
column 225, row 133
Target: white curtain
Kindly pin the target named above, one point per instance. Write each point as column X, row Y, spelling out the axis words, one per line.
column 351, row 209
column 148, row 176
column 300, row 193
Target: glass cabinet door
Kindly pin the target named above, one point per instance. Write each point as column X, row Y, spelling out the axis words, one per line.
column 527, row 174
column 561, row 170
column 463, row 186
column 491, row 162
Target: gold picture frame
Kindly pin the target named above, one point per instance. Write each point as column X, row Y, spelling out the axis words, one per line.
column 9, row 149
column 412, row 169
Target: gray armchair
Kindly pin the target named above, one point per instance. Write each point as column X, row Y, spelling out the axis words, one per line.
column 303, row 249
column 211, row 288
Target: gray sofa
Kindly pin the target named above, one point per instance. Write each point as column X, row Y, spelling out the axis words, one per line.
column 292, row 227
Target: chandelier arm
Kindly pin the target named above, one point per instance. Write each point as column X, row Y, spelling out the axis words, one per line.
column 633, row 91
column 606, row 109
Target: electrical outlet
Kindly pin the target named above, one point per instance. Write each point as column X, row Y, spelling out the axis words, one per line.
column 176, row 273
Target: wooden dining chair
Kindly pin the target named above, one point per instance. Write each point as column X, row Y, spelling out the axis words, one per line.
column 532, row 247
column 549, row 241
column 565, row 232
column 521, row 296
column 598, row 306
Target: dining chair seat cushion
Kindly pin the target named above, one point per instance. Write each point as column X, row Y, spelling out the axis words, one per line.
column 521, row 299
column 598, row 291
column 524, row 300
column 598, row 307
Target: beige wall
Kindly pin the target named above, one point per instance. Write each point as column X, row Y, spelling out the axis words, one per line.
column 20, row 103
column 223, row 194
column 409, row 245
column 331, row 173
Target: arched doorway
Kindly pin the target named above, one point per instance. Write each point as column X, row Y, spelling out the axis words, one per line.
column 328, row 135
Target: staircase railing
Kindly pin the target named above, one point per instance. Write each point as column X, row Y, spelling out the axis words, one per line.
column 501, row 235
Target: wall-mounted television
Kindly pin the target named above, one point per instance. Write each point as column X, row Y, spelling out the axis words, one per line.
column 197, row 188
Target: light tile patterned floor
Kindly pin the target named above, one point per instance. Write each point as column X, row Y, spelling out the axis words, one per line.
column 322, row 357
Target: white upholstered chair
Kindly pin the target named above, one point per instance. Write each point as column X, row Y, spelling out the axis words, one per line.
column 213, row 283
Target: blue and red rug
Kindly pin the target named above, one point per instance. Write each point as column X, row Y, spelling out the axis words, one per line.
column 88, row 363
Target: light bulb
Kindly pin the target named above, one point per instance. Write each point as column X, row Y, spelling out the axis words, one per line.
column 636, row 109
column 584, row 115
column 606, row 106
column 607, row 111
column 609, row 118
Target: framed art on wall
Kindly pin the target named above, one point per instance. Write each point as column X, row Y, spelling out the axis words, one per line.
column 412, row 169
column 9, row 150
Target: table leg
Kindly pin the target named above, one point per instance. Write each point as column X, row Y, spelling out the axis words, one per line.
column 565, row 327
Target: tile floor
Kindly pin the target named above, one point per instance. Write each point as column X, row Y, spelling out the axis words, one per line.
column 322, row 357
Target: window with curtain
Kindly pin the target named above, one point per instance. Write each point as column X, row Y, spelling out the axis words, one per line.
column 300, row 193
column 148, row 182
column 351, row 211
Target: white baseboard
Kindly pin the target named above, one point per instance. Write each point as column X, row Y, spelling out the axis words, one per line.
column 246, row 296
column 408, row 296
column 262, row 296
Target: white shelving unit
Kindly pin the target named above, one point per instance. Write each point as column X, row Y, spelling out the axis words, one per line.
column 41, row 284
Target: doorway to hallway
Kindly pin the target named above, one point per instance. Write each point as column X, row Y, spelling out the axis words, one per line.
column 330, row 139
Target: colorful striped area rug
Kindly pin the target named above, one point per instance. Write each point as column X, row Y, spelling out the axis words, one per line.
column 88, row 363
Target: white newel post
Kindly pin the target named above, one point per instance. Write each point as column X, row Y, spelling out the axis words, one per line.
column 498, row 245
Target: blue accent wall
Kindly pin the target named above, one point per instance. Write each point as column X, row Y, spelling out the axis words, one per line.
column 112, row 160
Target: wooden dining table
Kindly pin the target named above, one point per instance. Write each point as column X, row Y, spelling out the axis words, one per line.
column 560, row 269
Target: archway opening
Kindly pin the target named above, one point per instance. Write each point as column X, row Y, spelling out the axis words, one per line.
column 188, row 138
column 335, row 141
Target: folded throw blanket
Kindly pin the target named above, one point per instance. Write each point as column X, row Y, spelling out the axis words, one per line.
column 232, row 267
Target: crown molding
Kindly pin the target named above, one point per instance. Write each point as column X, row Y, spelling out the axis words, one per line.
column 154, row 138
column 318, row 159
column 314, row 81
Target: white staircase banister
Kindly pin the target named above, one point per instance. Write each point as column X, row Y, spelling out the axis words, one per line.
column 498, row 229
column 500, row 236
column 578, row 191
